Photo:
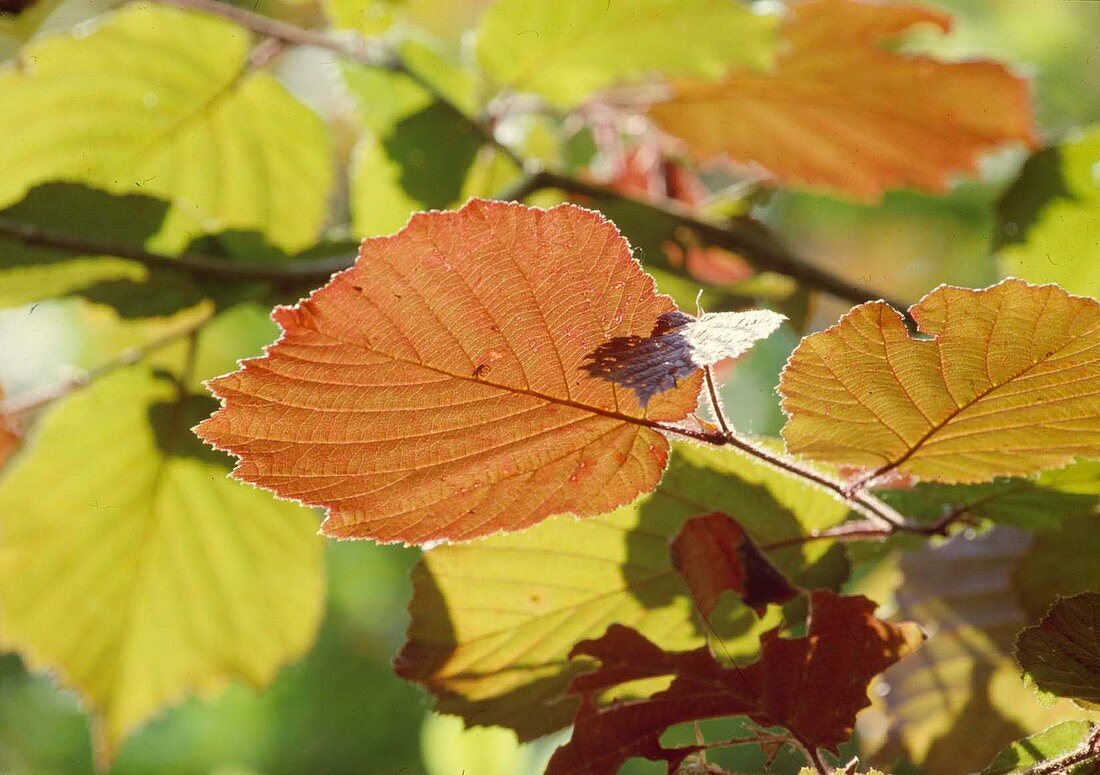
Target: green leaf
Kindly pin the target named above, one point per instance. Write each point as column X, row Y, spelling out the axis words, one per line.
column 1040, row 502
column 567, row 51
column 135, row 570
column 1049, row 750
column 29, row 274
column 418, row 155
column 1050, row 218
column 493, row 621
column 1060, row 562
column 165, row 102
column 1061, row 654
column 961, row 594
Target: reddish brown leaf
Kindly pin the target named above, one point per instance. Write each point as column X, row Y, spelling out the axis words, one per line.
column 435, row 391
column 814, row 686
column 713, row 554
column 841, row 111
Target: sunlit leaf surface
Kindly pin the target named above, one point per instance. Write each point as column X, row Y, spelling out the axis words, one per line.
column 1050, row 218
column 435, row 391
column 843, row 113
column 566, row 51
column 138, row 572
column 1008, row 384
column 188, row 120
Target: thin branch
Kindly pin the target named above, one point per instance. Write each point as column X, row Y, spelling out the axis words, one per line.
column 884, row 518
column 868, row 530
column 29, row 402
column 192, row 263
column 862, row 530
column 744, row 235
column 715, row 402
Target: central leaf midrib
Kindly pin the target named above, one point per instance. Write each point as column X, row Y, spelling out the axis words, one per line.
column 960, row 408
column 609, row 413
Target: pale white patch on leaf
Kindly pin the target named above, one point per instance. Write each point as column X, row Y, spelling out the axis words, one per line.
column 719, row 335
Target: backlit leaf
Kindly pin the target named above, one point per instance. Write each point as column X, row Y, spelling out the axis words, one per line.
column 493, row 621
column 843, row 113
column 1040, row 502
column 566, row 51
column 29, row 274
column 1050, row 218
column 1060, row 562
column 177, row 112
column 814, row 686
column 1069, row 748
column 714, row 555
column 1061, row 654
column 964, row 677
column 435, row 391
column 1009, row 384
column 138, row 572
column 417, row 153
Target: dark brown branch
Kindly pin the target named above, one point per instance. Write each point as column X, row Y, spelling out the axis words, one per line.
column 744, row 235
column 191, row 263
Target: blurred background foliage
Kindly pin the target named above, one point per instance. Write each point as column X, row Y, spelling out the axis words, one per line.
column 341, row 709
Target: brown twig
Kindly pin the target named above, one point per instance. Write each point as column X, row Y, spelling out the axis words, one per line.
column 191, row 263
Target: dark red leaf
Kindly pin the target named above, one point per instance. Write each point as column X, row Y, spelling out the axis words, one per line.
column 713, row 554
column 814, row 686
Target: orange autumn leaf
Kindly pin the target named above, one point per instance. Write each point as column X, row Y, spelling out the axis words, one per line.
column 842, row 112
column 435, row 391
column 1008, row 385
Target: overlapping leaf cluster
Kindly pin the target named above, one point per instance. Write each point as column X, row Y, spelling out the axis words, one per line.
column 506, row 387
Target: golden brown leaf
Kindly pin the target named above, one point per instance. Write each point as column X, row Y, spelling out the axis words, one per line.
column 1009, row 384
column 843, row 113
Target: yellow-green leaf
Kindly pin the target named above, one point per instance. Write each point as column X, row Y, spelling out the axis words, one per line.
column 1050, row 218
column 135, row 570
column 29, row 274
column 566, row 51
column 418, row 153
column 165, row 102
column 493, row 621
column 1069, row 748
column 959, row 703
column 1044, row 501
column 1008, row 384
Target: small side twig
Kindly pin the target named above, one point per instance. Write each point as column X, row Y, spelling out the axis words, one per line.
column 29, row 402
